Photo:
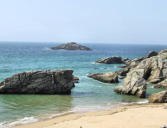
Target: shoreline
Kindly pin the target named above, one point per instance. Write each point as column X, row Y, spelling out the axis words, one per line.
column 48, row 116
column 116, row 117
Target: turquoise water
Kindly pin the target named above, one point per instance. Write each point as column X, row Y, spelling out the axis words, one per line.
column 88, row 95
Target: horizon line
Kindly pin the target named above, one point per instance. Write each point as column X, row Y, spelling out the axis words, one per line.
column 63, row 42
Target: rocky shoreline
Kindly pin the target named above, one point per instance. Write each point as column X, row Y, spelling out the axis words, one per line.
column 137, row 74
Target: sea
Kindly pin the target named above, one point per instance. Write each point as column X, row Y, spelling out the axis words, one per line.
column 88, row 94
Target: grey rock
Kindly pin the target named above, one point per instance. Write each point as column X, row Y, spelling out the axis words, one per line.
column 111, row 60
column 133, row 84
column 39, row 82
column 71, row 46
column 152, row 68
column 109, row 77
column 133, row 63
column 151, row 54
column 163, row 51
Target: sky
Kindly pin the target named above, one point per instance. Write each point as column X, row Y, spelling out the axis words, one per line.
column 95, row 21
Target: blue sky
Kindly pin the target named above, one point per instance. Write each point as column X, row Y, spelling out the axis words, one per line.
column 100, row 21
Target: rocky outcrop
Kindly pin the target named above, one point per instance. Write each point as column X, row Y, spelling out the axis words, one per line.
column 71, row 46
column 162, row 84
column 163, row 51
column 152, row 68
column 39, row 82
column 111, row 60
column 110, row 77
column 123, row 72
column 133, row 84
column 137, row 73
column 156, row 68
column 160, row 97
column 151, row 54
column 133, row 63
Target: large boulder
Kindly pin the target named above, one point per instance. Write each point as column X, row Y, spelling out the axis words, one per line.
column 133, row 84
column 160, row 97
column 39, row 82
column 151, row 54
column 111, row 60
column 109, row 77
column 158, row 68
column 71, row 46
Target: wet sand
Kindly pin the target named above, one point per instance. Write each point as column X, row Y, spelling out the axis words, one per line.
column 128, row 116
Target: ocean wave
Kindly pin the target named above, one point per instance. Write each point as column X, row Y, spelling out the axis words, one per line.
column 94, row 63
column 25, row 120
column 2, row 125
column 142, row 102
column 139, row 102
column 46, row 49
column 59, row 114
column 79, row 109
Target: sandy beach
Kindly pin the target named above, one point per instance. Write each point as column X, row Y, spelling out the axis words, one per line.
column 128, row 116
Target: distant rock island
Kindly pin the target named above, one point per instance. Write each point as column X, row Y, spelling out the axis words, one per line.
column 71, row 46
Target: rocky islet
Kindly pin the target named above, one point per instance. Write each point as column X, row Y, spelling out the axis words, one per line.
column 71, row 46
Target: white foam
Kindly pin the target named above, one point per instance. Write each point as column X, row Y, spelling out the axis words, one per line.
column 77, row 109
column 93, row 63
column 139, row 102
column 59, row 114
column 143, row 102
column 2, row 125
column 80, row 109
column 46, row 48
column 25, row 120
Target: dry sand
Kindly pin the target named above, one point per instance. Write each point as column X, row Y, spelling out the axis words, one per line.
column 129, row 116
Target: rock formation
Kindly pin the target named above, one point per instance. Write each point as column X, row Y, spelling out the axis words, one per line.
column 133, row 63
column 151, row 54
column 133, row 84
column 109, row 77
column 111, row 60
column 71, row 46
column 123, row 72
column 39, row 82
column 160, row 97
column 162, row 84
column 152, row 69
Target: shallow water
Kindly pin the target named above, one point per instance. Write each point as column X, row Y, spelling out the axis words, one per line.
column 87, row 95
